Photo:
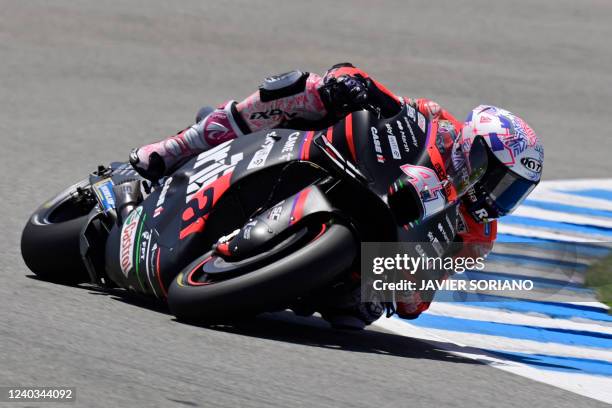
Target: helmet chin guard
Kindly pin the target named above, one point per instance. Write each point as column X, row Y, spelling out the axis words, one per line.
column 515, row 161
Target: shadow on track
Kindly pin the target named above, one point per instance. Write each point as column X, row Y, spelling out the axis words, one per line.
column 308, row 331
column 316, row 332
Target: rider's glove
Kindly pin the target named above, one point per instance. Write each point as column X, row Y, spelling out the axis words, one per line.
column 344, row 94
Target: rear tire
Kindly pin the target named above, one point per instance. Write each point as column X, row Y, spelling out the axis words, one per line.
column 268, row 287
column 50, row 242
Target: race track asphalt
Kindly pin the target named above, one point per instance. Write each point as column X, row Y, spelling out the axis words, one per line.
column 83, row 82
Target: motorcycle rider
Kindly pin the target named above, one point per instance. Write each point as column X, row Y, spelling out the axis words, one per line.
column 514, row 152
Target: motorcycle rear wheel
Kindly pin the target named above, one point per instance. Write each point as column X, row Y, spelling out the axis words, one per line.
column 51, row 238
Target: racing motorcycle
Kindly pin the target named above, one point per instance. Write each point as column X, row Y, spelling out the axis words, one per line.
column 259, row 223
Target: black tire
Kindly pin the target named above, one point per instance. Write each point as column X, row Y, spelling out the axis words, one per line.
column 269, row 287
column 50, row 239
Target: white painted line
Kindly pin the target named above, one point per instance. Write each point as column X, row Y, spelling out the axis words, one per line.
column 461, row 311
column 552, row 191
column 579, row 184
column 538, row 213
column 595, row 387
column 570, row 199
column 592, row 304
column 566, row 252
column 530, row 232
column 576, row 277
column 500, row 343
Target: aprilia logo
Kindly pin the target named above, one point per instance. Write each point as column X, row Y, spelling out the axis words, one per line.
column 216, row 163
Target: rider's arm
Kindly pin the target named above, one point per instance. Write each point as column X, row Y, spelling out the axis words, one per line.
column 298, row 99
column 304, row 96
column 281, row 98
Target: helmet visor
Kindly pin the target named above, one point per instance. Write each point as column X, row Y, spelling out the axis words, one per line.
column 505, row 188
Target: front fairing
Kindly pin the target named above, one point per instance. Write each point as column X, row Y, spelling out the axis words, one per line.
column 389, row 148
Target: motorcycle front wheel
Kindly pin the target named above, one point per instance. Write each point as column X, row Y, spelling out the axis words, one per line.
column 193, row 296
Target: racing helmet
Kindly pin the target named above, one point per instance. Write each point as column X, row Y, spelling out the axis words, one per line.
column 515, row 157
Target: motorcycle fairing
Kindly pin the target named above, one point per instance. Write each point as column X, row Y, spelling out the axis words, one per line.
column 217, row 191
column 181, row 219
column 268, row 228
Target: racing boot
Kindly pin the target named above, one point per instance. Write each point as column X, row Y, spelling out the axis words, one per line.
column 349, row 312
column 157, row 160
column 355, row 318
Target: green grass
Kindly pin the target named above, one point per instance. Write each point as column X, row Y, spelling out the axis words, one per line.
column 599, row 277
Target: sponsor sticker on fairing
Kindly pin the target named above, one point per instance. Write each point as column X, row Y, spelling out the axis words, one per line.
column 289, row 146
column 415, row 142
column 261, row 155
column 127, row 237
column 276, row 211
column 104, row 192
column 145, row 239
column 395, row 151
column 411, row 112
column 377, row 147
column 451, row 228
column 443, row 232
column 246, row 234
column 403, row 136
column 159, row 206
column 435, row 243
column 421, row 121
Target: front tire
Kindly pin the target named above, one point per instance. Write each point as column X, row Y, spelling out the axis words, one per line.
column 267, row 288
